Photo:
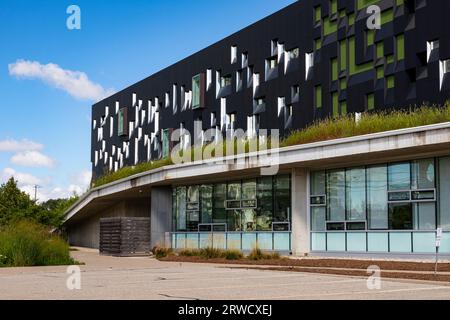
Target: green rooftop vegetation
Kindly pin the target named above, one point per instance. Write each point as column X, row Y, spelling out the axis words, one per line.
column 332, row 128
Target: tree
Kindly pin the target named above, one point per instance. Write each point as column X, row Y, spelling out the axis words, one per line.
column 54, row 209
column 15, row 204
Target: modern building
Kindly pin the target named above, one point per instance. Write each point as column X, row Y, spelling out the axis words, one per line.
column 383, row 193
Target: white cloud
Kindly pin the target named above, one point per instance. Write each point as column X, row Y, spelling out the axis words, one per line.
column 33, row 159
column 75, row 83
column 79, row 184
column 11, row 145
column 23, row 179
column 83, row 178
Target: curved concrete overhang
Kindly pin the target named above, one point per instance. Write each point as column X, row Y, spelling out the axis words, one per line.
column 397, row 145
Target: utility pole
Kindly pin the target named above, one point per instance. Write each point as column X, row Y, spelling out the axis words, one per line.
column 36, row 187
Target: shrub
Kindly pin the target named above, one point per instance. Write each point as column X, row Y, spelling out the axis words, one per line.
column 161, row 252
column 233, row 255
column 257, row 254
column 24, row 244
column 211, row 253
column 189, row 253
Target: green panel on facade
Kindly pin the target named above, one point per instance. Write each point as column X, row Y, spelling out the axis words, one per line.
column 370, row 37
column 379, row 51
column 400, row 46
column 361, row 4
column 354, row 68
column 334, row 69
column 317, row 44
column 387, row 16
column 390, row 82
column 370, row 101
column 329, row 26
column 343, row 108
column 318, row 97
column 334, row 6
column 335, row 102
column 317, row 14
column 380, row 73
column 343, row 54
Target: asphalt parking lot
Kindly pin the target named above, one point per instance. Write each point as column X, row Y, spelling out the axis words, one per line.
column 146, row 278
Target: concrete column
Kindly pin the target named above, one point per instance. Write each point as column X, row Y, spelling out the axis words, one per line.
column 161, row 214
column 300, row 212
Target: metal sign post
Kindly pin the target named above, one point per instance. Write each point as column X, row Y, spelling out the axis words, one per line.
column 438, row 245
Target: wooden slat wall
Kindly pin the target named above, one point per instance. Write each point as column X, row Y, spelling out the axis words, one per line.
column 125, row 237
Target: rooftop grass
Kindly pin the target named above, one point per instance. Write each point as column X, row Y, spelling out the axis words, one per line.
column 328, row 129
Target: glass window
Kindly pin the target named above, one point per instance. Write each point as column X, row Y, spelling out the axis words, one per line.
column 248, row 220
column 193, row 194
column 165, row 143
column 336, row 195
column 249, row 190
column 318, row 183
column 400, row 216
column 424, row 216
column 206, row 203
column 265, row 204
column 444, row 189
column 399, row 176
column 423, row 174
column 196, row 91
column 225, row 81
column 181, row 205
column 282, row 203
column 356, row 194
column 318, row 219
column 272, row 63
column 219, row 213
column 234, row 220
column 234, row 191
column 122, row 122
column 377, row 197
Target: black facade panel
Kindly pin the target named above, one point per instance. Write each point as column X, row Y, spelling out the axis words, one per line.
column 416, row 79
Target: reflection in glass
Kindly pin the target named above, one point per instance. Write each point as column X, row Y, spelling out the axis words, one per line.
column 399, row 176
column 423, row 174
column 318, row 183
column 336, row 195
column 356, row 194
column 181, row 204
column 424, row 216
column 377, row 197
column 282, row 203
column 248, row 220
column 400, row 216
column 234, row 220
column 249, row 190
column 318, row 222
column 265, row 204
column 219, row 213
column 206, row 204
column 234, row 191
column 444, row 192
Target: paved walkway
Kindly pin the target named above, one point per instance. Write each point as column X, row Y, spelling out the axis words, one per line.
column 147, row 278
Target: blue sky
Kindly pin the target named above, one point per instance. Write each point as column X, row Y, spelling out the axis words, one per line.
column 44, row 129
